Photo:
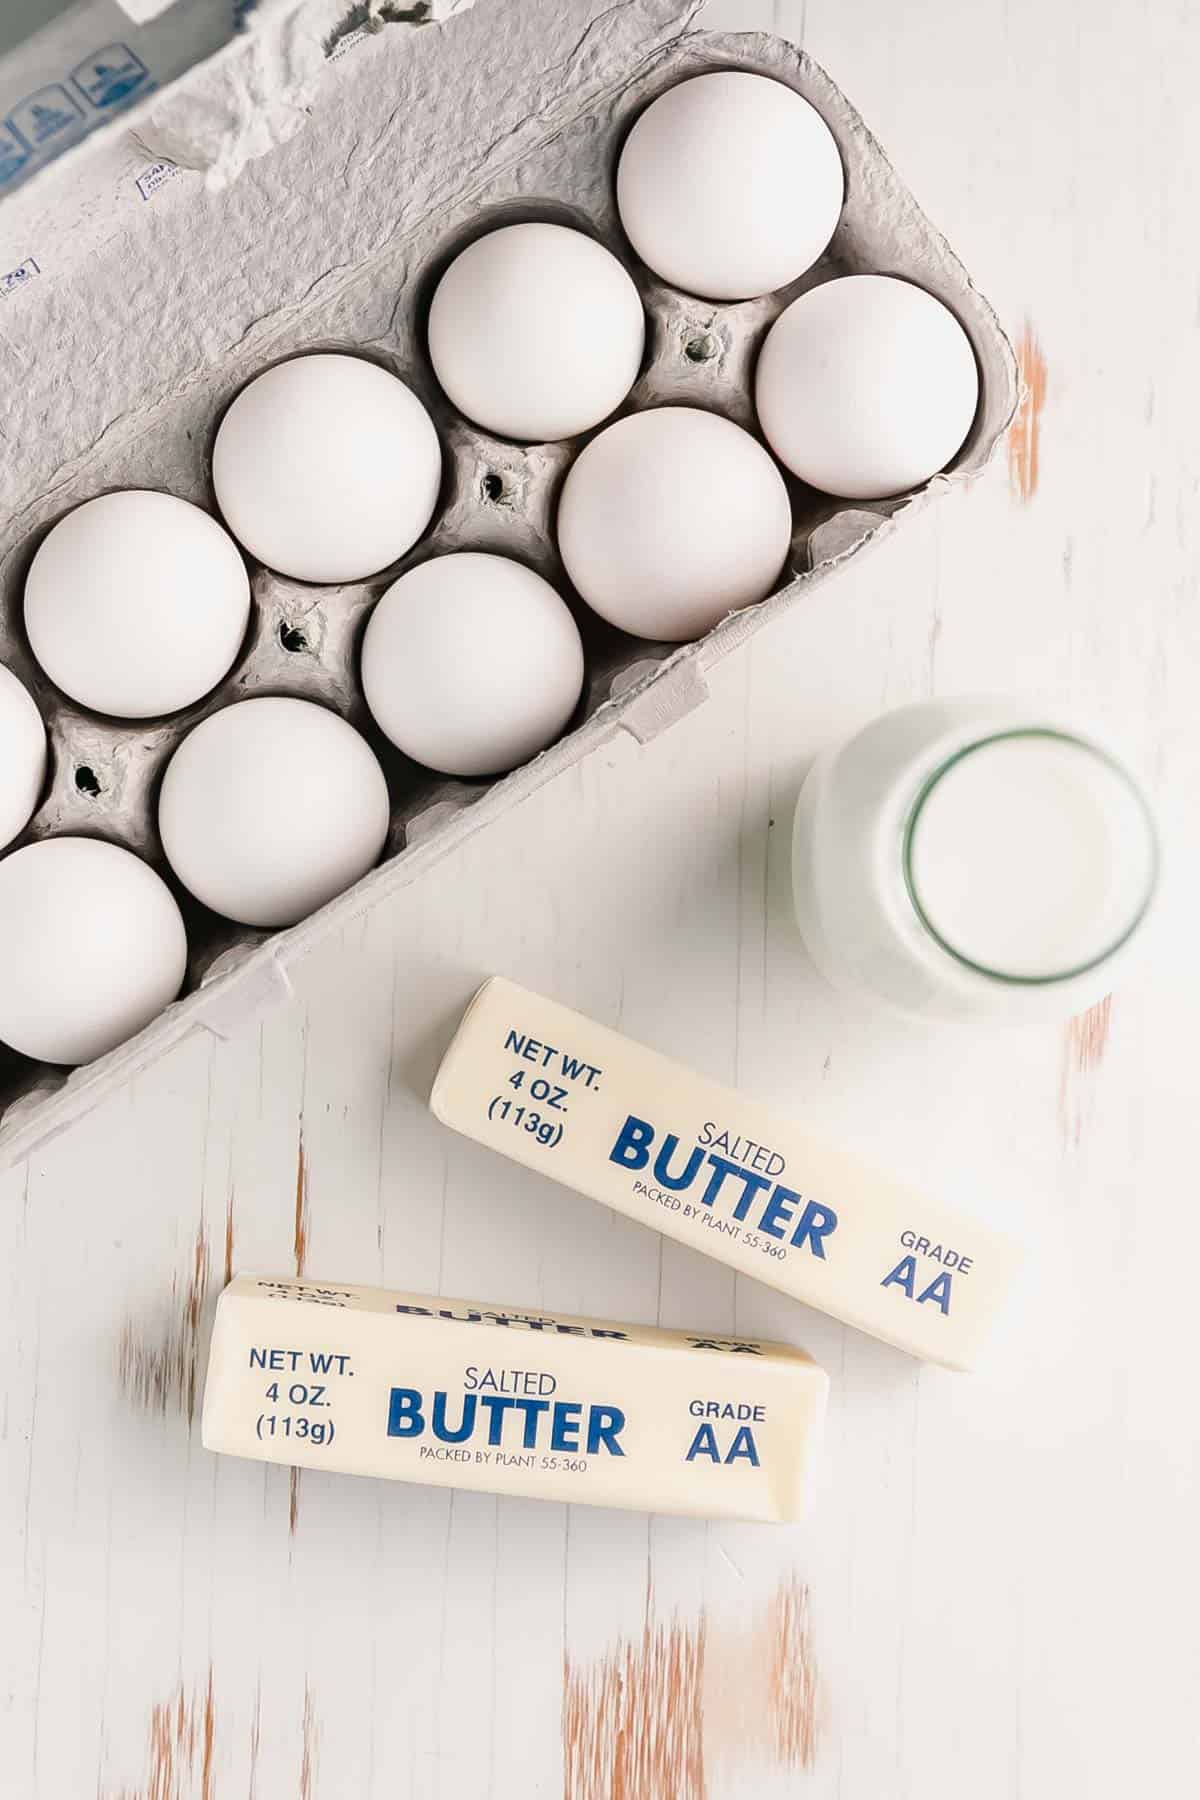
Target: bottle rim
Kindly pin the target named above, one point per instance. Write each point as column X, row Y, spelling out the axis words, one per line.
column 1008, row 977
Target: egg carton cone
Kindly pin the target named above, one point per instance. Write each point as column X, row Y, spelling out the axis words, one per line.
column 119, row 360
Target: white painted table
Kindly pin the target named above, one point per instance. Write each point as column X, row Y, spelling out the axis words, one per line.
column 997, row 1595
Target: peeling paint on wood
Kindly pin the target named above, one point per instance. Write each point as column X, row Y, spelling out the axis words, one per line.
column 632, row 1721
column 794, row 1691
column 299, row 1246
column 1087, row 1036
column 1084, row 1045
column 310, row 1733
column 654, row 1719
column 161, row 1372
column 777, row 1723
column 300, row 1233
column 206, row 1768
column 182, row 1733
column 255, row 1739
column 1024, row 437
column 300, row 1252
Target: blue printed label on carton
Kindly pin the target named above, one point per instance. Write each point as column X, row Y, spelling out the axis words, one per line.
column 45, row 116
column 14, row 154
column 110, row 75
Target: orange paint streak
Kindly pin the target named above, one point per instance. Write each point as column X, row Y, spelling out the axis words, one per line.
column 300, row 1251
column 632, row 1722
column 793, row 1684
column 182, row 1736
column 300, row 1233
column 1087, row 1036
column 206, row 1771
column 310, row 1733
column 654, row 1719
column 1024, row 437
column 162, row 1375
column 1084, row 1045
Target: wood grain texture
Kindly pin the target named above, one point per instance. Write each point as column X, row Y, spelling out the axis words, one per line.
column 1000, row 1574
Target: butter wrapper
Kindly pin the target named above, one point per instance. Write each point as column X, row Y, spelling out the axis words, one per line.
column 704, row 1164
column 464, row 1394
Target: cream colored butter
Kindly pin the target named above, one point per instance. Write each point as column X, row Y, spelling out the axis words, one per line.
column 463, row 1394
column 703, row 1164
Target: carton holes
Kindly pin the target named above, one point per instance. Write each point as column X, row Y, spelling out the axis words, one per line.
column 701, row 349
column 491, row 487
column 292, row 638
column 87, row 781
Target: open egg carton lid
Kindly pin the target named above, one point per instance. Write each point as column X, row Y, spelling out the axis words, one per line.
column 333, row 240
column 101, row 101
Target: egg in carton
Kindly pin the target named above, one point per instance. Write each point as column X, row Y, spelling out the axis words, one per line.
column 335, row 241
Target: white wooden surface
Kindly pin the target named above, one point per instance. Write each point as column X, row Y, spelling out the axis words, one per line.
column 997, row 1595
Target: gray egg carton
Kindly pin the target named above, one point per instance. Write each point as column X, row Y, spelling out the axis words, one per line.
column 334, row 241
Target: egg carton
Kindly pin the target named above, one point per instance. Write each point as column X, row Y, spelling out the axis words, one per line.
column 335, row 241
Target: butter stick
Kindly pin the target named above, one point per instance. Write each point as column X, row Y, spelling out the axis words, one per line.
column 704, row 1164
column 459, row 1393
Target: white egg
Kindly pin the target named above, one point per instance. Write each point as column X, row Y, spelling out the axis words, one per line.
column 866, row 386
column 327, row 468
column 672, row 518
column 92, row 947
column 270, row 808
column 136, row 604
column 471, row 664
column 22, row 756
column 536, row 332
column 730, row 185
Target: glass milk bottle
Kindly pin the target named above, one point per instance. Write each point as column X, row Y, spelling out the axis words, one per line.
column 972, row 859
